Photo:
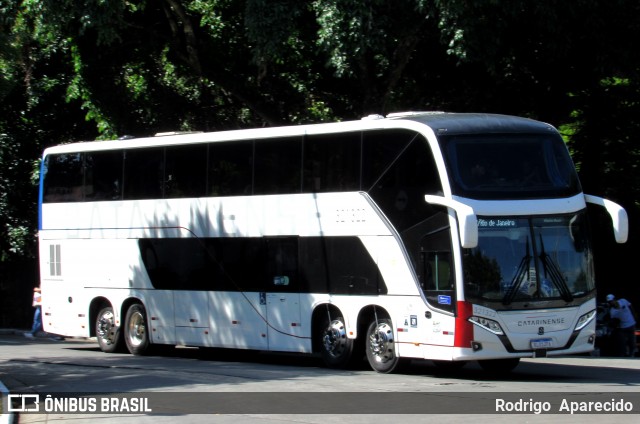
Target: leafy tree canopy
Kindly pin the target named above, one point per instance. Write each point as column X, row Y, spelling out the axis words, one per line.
column 74, row 70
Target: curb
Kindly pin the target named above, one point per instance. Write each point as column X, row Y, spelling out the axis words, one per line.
column 41, row 335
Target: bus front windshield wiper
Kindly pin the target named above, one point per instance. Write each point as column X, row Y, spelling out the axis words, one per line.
column 551, row 269
column 519, row 276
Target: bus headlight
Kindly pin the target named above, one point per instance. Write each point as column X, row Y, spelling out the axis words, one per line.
column 487, row 324
column 585, row 319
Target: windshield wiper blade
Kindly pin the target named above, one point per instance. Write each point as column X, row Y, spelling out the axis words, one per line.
column 552, row 270
column 516, row 282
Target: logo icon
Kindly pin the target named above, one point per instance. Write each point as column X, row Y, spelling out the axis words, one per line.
column 541, row 330
column 24, row 403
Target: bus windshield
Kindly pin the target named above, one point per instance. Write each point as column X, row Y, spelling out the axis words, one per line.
column 509, row 166
column 529, row 259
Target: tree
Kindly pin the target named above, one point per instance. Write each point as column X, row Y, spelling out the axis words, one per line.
column 95, row 69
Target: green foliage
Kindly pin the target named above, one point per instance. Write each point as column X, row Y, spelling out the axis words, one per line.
column 97, row 69
column 604, row 139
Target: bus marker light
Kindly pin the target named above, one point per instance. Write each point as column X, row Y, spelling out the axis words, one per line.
column 585, row 319
column 487, row 324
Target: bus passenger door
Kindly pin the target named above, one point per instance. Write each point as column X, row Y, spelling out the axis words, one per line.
column 282, row 297
column 437, row 277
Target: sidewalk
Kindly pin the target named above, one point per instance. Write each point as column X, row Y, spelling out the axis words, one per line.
column 16, row 332
column 10, row 418
column 7, row 417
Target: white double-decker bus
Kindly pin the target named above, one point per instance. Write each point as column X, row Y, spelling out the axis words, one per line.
column 450, row 237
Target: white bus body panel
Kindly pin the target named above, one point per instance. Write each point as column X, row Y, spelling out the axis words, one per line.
column 258, row 216
column 99, row 249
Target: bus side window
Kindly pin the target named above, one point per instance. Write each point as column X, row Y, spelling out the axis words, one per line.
column 436, row 270
column 185, row 171
column 63, row 178
column 230, row 169
column 282, row 264
column 277, row 166
column 332, row 162
column 398, row 170
column 103, row 175
column 143, row 174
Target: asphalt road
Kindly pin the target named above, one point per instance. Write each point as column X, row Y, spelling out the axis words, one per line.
column 252, row 387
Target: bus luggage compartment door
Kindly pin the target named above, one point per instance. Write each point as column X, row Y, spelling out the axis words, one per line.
column 284, row 323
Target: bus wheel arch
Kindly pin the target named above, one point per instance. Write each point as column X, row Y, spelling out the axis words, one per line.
column 329, row 336
column 135, row 327
column 379, row 340
column 108, row 334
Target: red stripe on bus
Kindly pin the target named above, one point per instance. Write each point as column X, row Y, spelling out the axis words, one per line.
column 464, row 329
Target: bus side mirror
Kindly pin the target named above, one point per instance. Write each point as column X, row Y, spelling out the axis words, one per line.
column 467, row 220
column 618, row 215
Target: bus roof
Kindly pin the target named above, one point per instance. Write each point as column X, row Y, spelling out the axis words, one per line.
column 464, row 123
column 439, row 122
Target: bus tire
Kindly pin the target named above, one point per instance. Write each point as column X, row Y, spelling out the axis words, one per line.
column 107, row 333
column 380, row 347
column 135, row 330
column 335, row 347
column 499, row 366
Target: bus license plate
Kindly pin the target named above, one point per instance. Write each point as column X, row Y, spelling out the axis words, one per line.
column 541, row 343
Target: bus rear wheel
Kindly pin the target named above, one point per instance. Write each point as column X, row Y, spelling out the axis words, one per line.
column 107, row 333
column 135, row 330
column 380, row 347
column 336, row 348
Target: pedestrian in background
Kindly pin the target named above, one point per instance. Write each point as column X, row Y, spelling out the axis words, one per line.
column 37, row 315
column 625, row 331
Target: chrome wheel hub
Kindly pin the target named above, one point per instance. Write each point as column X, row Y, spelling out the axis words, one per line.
column 381, row 342
column 335, row 338
column 136, row 329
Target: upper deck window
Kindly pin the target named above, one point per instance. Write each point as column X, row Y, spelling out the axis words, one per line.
column 509, row 166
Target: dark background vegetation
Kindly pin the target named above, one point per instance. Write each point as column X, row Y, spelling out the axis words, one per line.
column 83, row 70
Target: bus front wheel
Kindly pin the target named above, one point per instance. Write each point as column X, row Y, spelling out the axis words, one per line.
column 335, row 346
column 135, row 329
column 107, row 333
column 380, row 347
